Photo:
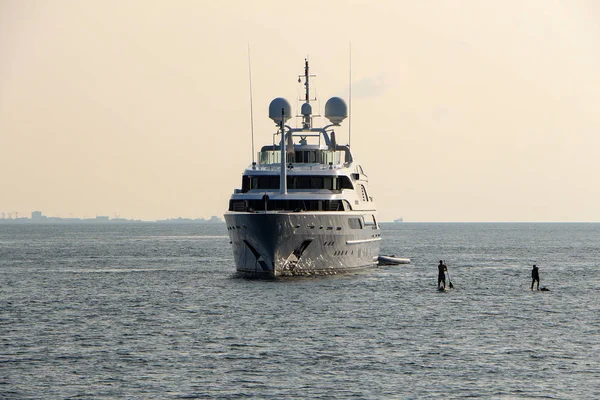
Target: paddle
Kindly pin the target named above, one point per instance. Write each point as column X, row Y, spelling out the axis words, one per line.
column 450, row 285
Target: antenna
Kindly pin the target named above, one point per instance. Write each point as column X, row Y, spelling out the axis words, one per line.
column 306, row 109
column 251, row 109
column 306, row 75
column 350, row 94
column 283, row 175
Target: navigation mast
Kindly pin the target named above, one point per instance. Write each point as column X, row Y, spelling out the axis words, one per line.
column 306, row 109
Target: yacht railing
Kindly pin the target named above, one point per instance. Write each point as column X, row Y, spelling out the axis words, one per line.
column 319, row 157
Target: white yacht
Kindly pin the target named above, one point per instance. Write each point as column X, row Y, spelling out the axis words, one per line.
column 304, row 208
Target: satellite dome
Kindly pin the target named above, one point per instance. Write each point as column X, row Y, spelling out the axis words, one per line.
column 306, row 109
column 275, row 110
column 336, row 110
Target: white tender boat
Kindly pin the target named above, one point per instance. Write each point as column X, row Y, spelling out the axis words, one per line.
column 392, row 260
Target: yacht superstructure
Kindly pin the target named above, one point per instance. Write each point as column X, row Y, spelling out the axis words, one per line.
column 304, row 208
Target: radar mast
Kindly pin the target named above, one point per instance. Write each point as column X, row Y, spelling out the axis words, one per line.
column 306, row 110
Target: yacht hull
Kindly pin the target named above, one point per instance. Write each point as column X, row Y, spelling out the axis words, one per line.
column 272, row 244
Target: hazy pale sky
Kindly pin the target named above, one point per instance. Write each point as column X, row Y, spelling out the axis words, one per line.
column 461, row 110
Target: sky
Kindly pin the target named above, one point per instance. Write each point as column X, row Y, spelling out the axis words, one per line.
column 462, row 111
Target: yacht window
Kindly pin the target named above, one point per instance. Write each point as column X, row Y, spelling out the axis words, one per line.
column 271, row 182
column 316, row 182
column 328, row 182
column 245, row 183
column 333, row 205
column 264, row 182
column 286, row 205
column 303, row 182
column 355, row 223
column 237, row 205
column 345, row 183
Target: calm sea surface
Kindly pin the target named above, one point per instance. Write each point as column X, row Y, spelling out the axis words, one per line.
column 151, row 311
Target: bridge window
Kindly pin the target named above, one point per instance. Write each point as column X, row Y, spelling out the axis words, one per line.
column 345, row 183
column 306, row 157
column 286, row 205
column 271, row 182
column 316, row 182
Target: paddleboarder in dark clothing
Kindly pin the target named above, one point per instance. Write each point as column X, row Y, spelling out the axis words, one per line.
column 441, row 275
column 535, row 277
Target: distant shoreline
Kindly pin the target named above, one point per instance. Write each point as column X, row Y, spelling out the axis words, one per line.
column 94, row 222
column 43, row 220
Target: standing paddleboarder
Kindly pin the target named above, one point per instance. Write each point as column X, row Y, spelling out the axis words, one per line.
column 441, row 275
column 535, row 277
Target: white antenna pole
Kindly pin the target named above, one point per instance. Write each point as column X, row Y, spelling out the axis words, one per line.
column 251, row 109
column 282, row 174
column 350, row 95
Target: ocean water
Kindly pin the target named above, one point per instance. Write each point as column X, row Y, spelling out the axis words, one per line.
column 152, row 311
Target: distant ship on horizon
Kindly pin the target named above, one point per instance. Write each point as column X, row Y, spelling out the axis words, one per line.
column 399, row 220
